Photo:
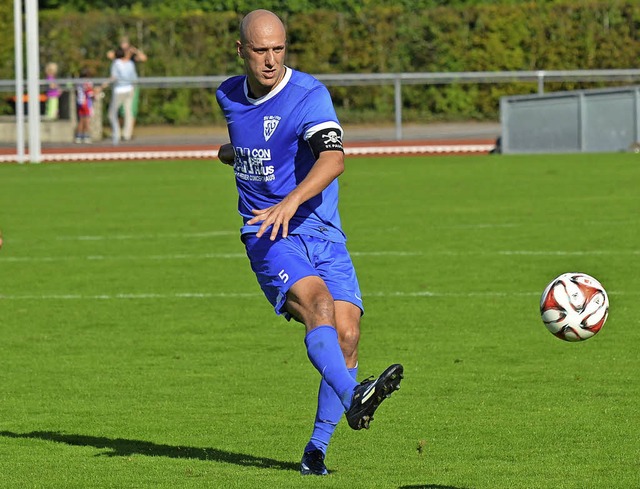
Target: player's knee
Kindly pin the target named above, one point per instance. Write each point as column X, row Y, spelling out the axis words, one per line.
column 349, row 345
column 349, row 339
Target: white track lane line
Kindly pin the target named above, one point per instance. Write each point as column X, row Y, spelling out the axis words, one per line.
column 213, row 153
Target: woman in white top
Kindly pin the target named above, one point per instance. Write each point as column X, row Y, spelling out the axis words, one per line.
column 123, row 76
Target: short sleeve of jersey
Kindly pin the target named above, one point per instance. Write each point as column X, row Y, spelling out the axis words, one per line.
column 317, row 109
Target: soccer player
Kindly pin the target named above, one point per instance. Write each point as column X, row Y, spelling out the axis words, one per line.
column 286, row 151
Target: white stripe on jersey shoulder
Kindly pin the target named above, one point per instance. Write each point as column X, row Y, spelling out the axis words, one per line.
column 279, row 87
column 319, row 127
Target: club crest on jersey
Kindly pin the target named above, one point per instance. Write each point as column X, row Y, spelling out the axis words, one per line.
column 270, row 124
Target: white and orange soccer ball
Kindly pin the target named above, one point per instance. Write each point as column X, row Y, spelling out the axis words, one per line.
column 574, row 306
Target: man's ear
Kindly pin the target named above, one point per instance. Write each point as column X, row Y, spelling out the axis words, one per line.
column 239, row 49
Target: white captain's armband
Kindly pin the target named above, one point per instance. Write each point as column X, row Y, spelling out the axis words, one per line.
column 325, row 137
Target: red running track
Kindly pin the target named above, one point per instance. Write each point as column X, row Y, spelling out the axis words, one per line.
column 126, row 152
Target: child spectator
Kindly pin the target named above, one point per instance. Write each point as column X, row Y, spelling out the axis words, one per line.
column 84, row 107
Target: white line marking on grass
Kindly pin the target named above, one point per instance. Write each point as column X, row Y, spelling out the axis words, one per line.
column 477, row 226
column 233, row 256
column 245, row 295
column 569, row 253
column 534, row 253
column 206, row 234
column 386, row 253
column 106, row 297
column 176, row 256
column 204, row 256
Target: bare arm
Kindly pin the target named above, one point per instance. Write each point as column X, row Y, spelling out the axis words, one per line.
column 139, row 54
column 328, row 167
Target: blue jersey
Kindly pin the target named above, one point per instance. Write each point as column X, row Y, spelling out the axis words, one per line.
column 272, row 155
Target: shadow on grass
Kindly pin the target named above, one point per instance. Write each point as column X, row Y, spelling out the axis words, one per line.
column 120, row 447
column 429, row 486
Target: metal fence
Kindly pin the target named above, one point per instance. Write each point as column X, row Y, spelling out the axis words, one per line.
column 398, row 80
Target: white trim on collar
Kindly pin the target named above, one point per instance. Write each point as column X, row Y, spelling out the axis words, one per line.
column 278, row 88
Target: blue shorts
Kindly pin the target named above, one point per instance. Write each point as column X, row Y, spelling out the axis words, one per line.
column 281, row 263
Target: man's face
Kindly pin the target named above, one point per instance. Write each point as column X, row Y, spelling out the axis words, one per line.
column 263, row 53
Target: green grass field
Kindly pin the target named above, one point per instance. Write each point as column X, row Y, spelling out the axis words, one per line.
column 137, row 350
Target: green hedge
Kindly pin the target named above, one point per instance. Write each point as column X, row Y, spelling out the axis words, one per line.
column 484, row 37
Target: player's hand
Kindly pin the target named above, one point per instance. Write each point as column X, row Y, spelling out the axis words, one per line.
column 226, row 154
column 277, row 216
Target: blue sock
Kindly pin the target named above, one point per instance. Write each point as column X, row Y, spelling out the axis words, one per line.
column 326, row 356
column 329, row 413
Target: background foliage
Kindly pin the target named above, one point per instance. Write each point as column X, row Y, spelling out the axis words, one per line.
column 196, row 37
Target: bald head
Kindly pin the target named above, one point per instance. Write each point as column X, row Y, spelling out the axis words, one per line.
column 261, row 22
column 262, row 46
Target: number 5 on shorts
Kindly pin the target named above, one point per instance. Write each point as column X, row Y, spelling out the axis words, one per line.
column 284, row 276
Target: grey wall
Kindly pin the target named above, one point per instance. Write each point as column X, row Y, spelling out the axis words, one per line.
column 605, row 120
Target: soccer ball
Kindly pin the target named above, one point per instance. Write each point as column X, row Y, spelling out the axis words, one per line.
column 574, row 306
